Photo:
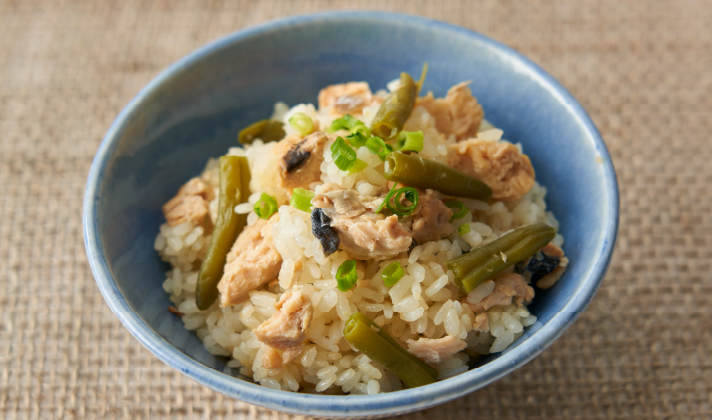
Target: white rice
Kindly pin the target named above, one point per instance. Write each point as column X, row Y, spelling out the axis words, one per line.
column 424, row 302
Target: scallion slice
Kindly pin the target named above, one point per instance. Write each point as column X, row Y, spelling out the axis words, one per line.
column 358, row 166
column 410, row 141
column 362, row 130
column 346, row 276
column 301, row 199
column 345, row 157
column 392, row 274
column 347, row 122
column 463, row 229
column 342, row 154
column 393, row 201
column 357, row 139
column 461, row 209
column 411, row 194
column 388, row 197
column 378, row 147
column 266, row 206
column 302, row 123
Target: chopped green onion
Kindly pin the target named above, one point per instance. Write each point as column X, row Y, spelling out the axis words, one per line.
column 301, row 199
column 463, row 229
column 342, row 154
column 461, row 212
column 266, row 206
column 359, row 132
column 347, row 122
column 392, row 274
column 378, row 147
column 357, row 139
column 388, row 197
column 358, row 166
column 410, row 141
column 302, row 123
column 362, row 130
column 345, row 157
column 411, row 194
column 346, row 275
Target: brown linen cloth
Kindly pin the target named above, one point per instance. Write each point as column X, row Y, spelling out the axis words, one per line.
column 642, row 69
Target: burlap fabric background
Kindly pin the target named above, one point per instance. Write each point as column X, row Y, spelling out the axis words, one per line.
column 643, row 70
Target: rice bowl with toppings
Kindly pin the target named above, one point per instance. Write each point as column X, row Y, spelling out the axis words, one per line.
column 325, row 241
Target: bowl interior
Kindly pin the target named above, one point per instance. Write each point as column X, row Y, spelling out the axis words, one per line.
column 195, row 109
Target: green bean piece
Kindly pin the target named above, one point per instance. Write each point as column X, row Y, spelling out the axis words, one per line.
column 506, row 251
column 234, row 189
column 468, row 262
column 395, row 109
column 419, row 172
column 358, row 315
column 369, row 340
column 267, row 130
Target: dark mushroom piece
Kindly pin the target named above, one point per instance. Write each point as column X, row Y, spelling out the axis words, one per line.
column 295, row 157
column 539, row 265
column 322, row 230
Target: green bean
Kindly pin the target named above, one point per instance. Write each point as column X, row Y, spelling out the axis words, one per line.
column 234, row 189
column 467, row 262
column 488, row 261
column 370, row 341
column 361, row 317
column 395, row 109
column 267, row 130
column 418, row 172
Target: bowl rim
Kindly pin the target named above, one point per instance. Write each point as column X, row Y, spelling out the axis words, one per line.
column 408, row 400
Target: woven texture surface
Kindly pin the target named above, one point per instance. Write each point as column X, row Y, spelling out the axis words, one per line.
column 643, row 70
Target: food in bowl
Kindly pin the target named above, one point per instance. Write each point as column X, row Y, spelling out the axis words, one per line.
column 373, row 242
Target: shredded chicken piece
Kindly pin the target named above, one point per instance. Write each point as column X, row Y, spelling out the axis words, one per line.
column 190, row 204
column 457, row 113
column 372, row 236
column 271, row 359
column 435, row 350
column 300, row 159
column 363, row 233
column 252, row 262
column 481, row 322
column 431, row 218
column 345, row 202
column 496, row 163
column 287, row 328
column 347, row 98
column 507, row 286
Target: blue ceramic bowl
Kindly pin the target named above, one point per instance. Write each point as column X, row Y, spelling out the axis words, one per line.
column 194, row 109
